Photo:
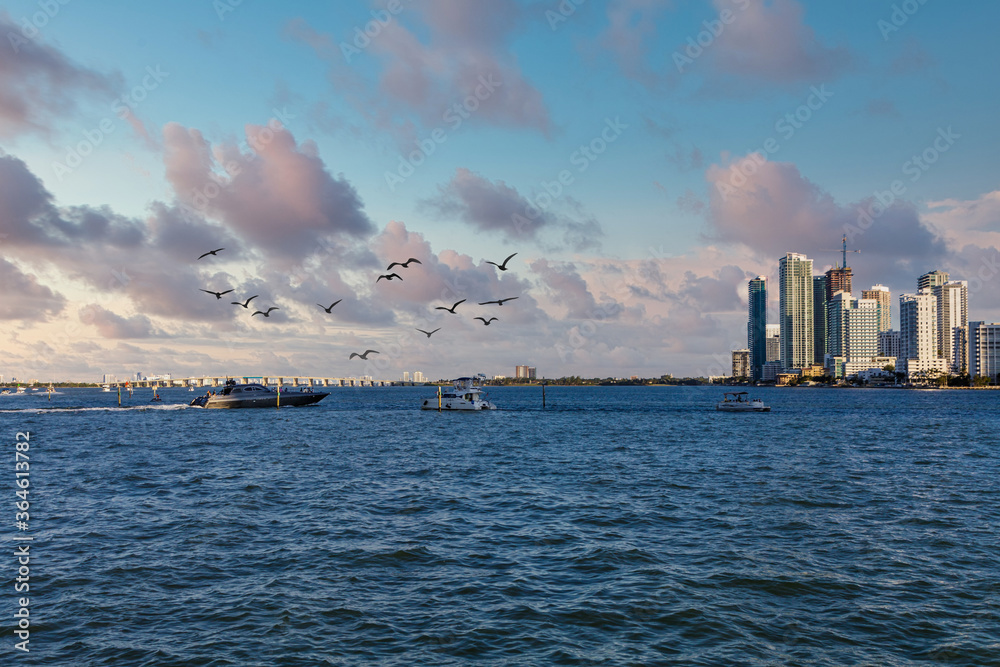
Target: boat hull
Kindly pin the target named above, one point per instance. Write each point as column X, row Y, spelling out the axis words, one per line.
column 267, row 400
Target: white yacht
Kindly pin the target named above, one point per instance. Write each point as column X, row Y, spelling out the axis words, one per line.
column 465, row 394
column 739, row 401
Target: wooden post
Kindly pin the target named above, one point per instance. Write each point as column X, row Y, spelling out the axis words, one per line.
column 119, row 396
column 279, row 396
column 439, row 398
column 543, row 395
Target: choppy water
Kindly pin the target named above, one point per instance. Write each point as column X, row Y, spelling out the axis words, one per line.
column 620, row 526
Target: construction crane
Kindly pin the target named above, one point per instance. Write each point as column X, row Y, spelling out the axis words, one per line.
column 843, row 250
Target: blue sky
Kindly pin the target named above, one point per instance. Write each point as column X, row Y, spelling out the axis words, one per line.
column 624, row 273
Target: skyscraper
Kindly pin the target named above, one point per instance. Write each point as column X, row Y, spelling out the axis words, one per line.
column 932, row 279
column 741, row 363
column 984, row 350
column 918, row 344
column 881, row 294
column 838, row 280
column 952, row 313
column 757, row 325
column 773, row 342
column 796, row 310
column 853, row 327
column 820, row 328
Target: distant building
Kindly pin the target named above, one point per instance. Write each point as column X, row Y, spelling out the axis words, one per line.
column 952, row 314
column 888, row 343
column 531, row 372
column 771, row 371
column 741, row 363
column 757, row 325
column 838, row 280
column 406, row 376
column 418, row 377
column 853, row 327
column 820, row 329
column 918, row 345
column 795, row 310
column 883, row 296
column 773, row 343
column 960, row 349
column 984, row 350
column 524, row 372
column 931, row 280
column 107, row 378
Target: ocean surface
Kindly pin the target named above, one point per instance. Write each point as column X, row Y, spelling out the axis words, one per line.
column 618, row 526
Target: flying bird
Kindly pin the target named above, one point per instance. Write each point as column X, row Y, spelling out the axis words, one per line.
column 503, row 266
column 405, row 264
column 331, row 305
column 247, row 304
column 211, row 252
column 389, row 277
column 452, row 309
column 218, row 295
column 428, row 333
column 486, row 322
column 498, row 302
column 363, row 356
column 266, row 314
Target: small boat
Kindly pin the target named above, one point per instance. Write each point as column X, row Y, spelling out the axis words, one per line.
column 739, row 401
column 465, row 394
column 255, row 395
column 156, row 398
column 105, row 387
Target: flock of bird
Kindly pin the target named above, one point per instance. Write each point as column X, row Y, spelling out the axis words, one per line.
column 502, row 266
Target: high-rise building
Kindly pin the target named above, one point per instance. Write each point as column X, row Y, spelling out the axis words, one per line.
column 838, row 280
column 960, row 349
column 757, row 325
column 795, row 310
column 741, row 363
column 531, row 372
column 853, row 328
column 932, row 279
column 918, row 345
column 984, row 350
column 406, row 376
column 952, row 313
column 773, row 343
column 418, row 376
column 881, row 294
column 888, row 343
column 821, row 330
column 521, row 372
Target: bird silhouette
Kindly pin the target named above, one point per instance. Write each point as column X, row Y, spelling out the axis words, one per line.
column 498, row 302
column 218, row 295
column 405, row 264
column 486, row 322
column 363, row 356
column 503, row 266
column 211, row 252
column 389, row 277
column 428, row 333
column 247, row 304
column 331, row 305
column 267, row 313
column 452, row 309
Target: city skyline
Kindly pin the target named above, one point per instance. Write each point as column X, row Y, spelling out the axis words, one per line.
column 644, row 159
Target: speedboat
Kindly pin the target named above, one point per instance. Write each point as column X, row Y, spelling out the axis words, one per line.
column 465, row 394
column 255, row 395
column 739, row 401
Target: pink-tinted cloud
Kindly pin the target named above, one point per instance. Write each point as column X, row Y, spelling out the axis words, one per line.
column 24, row 298
column 39, row 85
column 570, row 290
column 111, row 325
column 278, row 195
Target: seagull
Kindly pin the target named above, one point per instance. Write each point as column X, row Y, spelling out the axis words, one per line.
column 428, row 333
column 405, row 264
column 247, row 304
column 486, row 322
column 452, row 309
column 211, row 252
column 502, row 267
column 218, row 295
column 498, row 302
column 389, row 277
column 363, row 356
column 268, row 313
column 331, row 305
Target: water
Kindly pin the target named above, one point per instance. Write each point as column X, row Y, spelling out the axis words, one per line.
column 620, row 526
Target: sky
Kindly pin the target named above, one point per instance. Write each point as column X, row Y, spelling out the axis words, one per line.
column 640, row 159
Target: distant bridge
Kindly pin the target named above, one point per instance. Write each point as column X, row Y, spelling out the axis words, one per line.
column 269, row 380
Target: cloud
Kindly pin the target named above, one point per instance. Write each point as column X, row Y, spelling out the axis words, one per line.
column 111, row 325
column 39, row 85
column 631, row 27
column 277, row 195
column 570, row 291
column 494, row 206
column 24, row 298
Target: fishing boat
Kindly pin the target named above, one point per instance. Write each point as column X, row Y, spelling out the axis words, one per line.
column 465, row 394
column 255, row 395
column 739, row 401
